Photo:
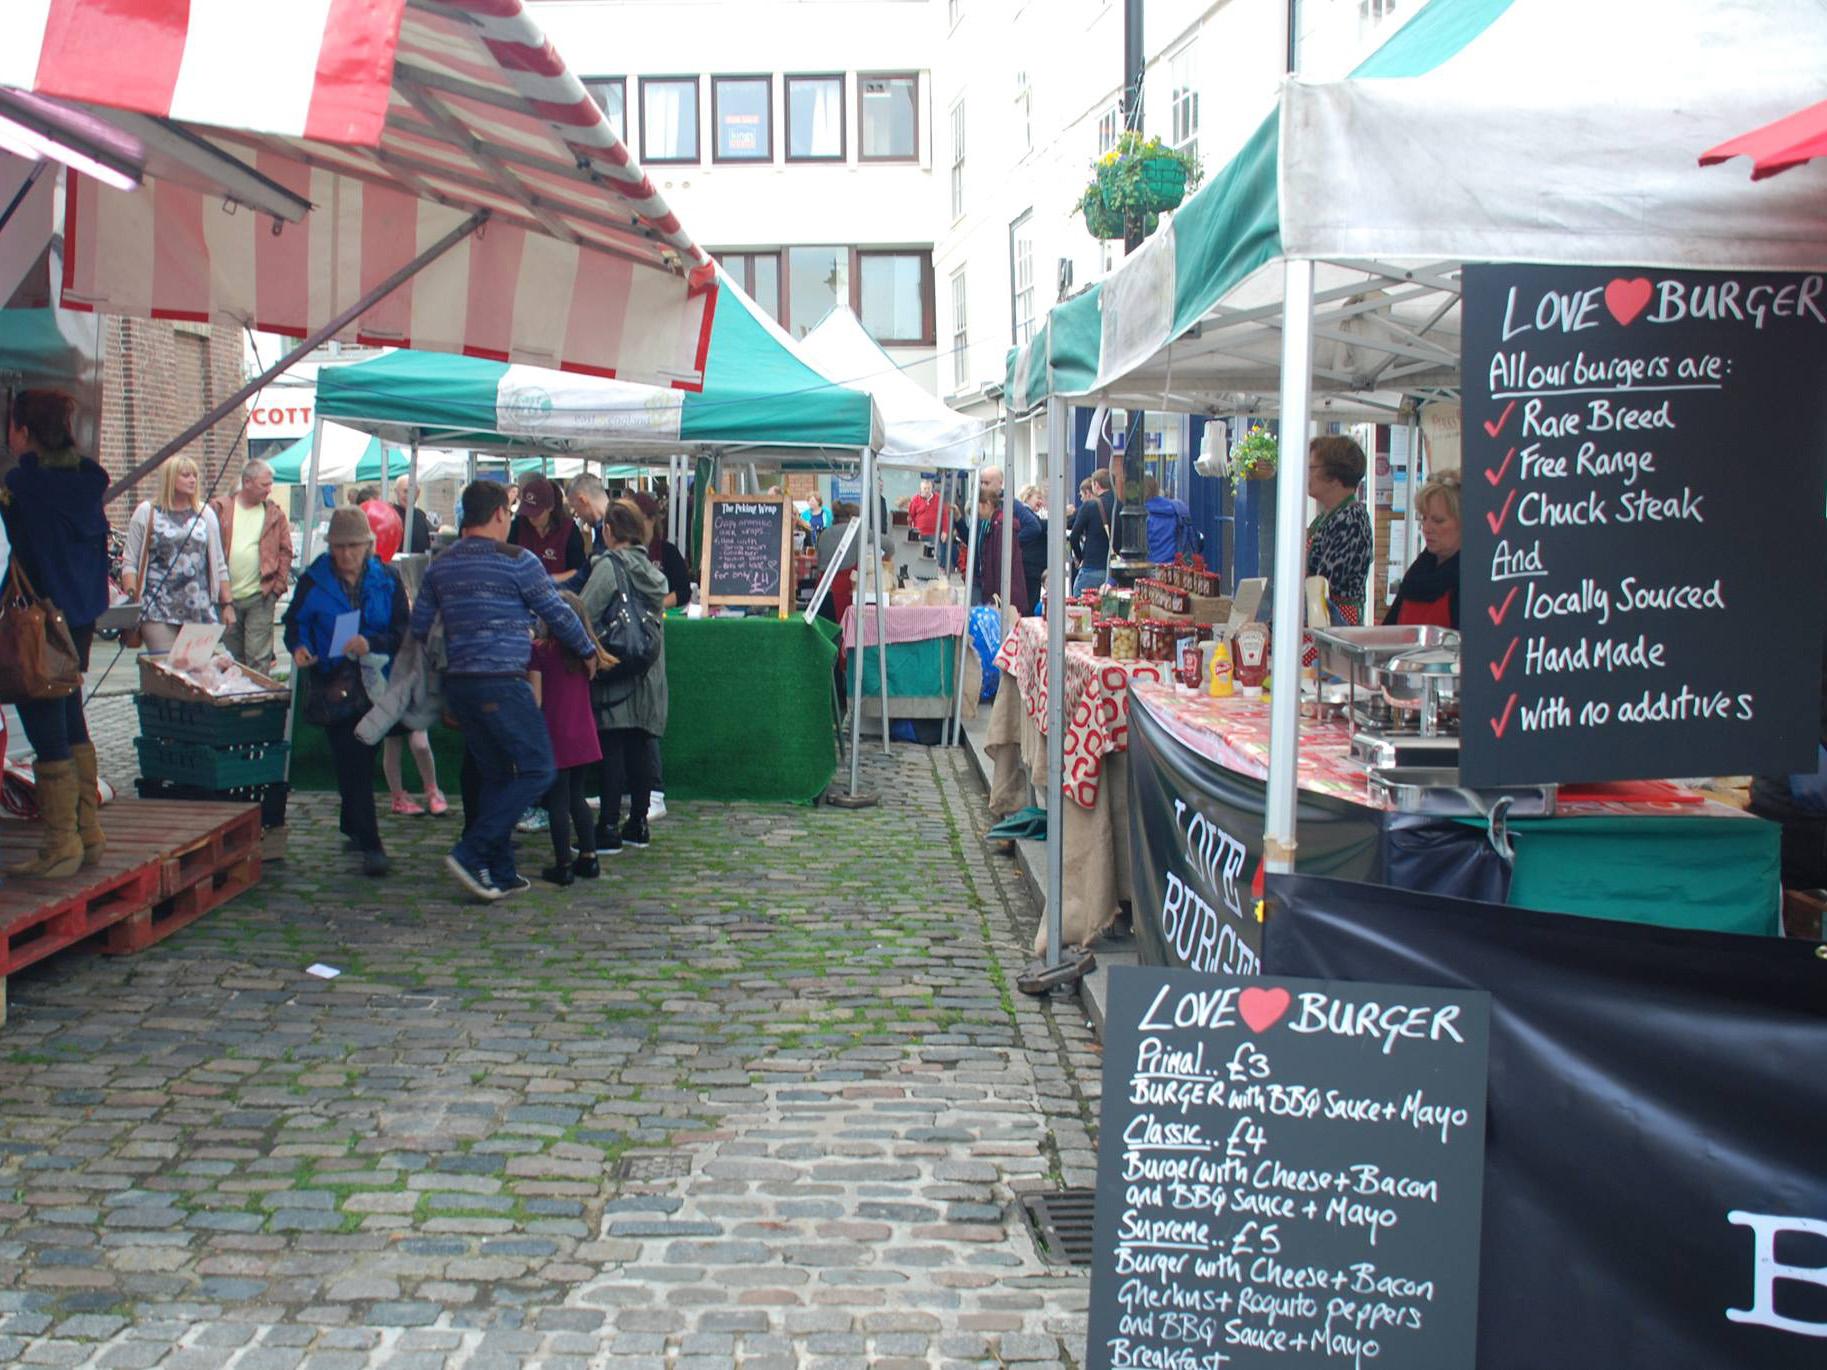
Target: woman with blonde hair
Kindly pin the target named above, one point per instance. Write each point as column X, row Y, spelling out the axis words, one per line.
column 173, row 558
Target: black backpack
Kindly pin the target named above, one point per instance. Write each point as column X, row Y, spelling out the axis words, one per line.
column 629, row 631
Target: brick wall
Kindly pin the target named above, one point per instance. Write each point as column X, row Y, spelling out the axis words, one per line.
column 157, row 378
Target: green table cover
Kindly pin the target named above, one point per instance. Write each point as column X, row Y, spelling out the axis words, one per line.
column 915, row 669
column 1718, row 874
column 752, row 715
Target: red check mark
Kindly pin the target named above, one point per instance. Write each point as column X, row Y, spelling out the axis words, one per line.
column 1498, row 519
column 1499, row 667
column 1495, row 428
column 1498, row 474
column 1497, row 614
column 1499, row 724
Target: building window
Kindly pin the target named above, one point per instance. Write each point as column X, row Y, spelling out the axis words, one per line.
column 742, row 115
column 892, row 295
column 815, row 119
column 961, row 370
column 954, row 11
column 1021, row 277
column 889, row 119
column 1183, row 99
column 669, row 119
column 1370, row 11
column 958, row 160
column 611, row 96
column 1024, row 112
column 1109, row 125
column 758, row 273
column 818, row 279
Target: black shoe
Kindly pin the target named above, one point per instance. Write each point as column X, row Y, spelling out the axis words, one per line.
column 514, row 884
column 587, row 867
column 634, row 832
column 604, row 831
column 609, row 843
column 375, row 864
column 558, row 875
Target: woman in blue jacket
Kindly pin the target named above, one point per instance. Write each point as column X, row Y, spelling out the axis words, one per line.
column 52, row 503
column 347, row 579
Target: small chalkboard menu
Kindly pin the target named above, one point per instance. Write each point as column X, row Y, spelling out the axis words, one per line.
column 748, row 548
column 1642, row 553
column 1290, row 1173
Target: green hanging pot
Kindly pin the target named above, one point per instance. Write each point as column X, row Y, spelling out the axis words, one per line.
column 1101, row 221
column 1164, row 182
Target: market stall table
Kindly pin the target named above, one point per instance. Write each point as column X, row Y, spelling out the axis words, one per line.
column 1650, row 852
column 923, row 643
column 1095, row 779
column 751, row 714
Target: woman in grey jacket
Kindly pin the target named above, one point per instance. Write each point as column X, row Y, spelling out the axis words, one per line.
column 629, row 713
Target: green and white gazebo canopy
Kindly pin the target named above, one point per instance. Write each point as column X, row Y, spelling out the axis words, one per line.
column 1556, row 131
column 759, row 397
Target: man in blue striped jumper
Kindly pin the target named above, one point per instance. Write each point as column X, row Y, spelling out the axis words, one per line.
column 487, row 593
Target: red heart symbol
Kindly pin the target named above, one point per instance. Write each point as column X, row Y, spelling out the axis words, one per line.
column 1262, row 1008
column 1627, row 299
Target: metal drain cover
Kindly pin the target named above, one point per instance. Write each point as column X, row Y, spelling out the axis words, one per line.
column 654, row 1165
column 1061, row 1221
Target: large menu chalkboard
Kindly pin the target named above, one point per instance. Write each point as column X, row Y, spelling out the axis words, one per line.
column 1642, row 588
column 1290, row 1173
column 748, row 546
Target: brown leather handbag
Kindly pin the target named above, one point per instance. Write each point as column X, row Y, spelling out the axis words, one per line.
column 37, row 653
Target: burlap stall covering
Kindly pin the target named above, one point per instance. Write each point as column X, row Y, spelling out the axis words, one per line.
column 1097, row 851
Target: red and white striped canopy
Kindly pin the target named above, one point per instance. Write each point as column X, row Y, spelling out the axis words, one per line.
column 397, row 121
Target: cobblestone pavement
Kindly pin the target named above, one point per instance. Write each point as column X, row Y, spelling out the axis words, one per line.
column 763, row 1096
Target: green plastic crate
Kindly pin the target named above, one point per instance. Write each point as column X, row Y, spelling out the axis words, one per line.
column 214, row 768
column 214, row 725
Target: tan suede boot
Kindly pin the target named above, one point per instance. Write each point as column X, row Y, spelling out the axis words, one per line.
column 60, row 854
column 88, row 803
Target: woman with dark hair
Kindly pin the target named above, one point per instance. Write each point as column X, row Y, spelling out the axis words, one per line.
column 663, row 554
column 630, row 714
column 1339, row 538
column 52, row 503
column 347, row 578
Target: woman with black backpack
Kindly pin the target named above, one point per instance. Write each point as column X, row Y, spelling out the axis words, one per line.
column 624, row 598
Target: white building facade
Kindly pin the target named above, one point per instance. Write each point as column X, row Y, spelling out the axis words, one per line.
column 795, row 138
column 1028, row 93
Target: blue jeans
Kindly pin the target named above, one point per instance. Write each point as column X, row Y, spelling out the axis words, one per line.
column 505, row 732
column 1089, row 578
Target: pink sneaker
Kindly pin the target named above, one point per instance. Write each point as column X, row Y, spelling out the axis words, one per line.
column 404, row 804
column 435, row 802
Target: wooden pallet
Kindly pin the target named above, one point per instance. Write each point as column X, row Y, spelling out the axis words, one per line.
column 168, row 862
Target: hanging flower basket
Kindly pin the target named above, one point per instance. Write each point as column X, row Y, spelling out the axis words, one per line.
column 1255, row 457
column 1164, row 181
column 1134, row 181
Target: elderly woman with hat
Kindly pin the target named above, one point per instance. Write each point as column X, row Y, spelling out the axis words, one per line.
column 347, row 580
column 545, row 530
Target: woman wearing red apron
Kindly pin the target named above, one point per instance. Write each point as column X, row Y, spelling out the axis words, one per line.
column 1430, row 591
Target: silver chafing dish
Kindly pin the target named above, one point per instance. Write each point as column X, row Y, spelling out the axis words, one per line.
column 1404, row 692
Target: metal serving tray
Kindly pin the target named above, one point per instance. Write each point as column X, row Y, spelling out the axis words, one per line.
column 1436, row 790
column 1344, row 649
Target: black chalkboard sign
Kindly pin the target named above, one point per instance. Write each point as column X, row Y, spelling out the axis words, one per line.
column 1642, row 589
column 1290, row 1173
column 748, row 547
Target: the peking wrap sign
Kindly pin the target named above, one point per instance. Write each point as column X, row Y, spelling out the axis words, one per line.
column 1654, row 1193
column 1195, row 844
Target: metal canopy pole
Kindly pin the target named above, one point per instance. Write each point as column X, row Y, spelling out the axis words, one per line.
column 882, row 583
column 311, row 487
column 964, row 638
column 308, row 344
column 1411, row 512
column 1290, row 510
column 1056, row 679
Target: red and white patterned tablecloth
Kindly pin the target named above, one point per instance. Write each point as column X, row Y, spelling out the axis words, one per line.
column 1234, row 732
column 1097, row 700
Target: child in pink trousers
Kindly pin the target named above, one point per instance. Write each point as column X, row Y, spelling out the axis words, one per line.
column 564, row 699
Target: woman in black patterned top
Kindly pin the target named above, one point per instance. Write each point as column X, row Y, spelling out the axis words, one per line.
column 1339, row 540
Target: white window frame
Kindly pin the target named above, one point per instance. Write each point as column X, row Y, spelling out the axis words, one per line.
column 1109, row 128
column 1021, row 277
column 958, row 160
column 1183, row 98
column 1024, row 111
column 961, row 371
